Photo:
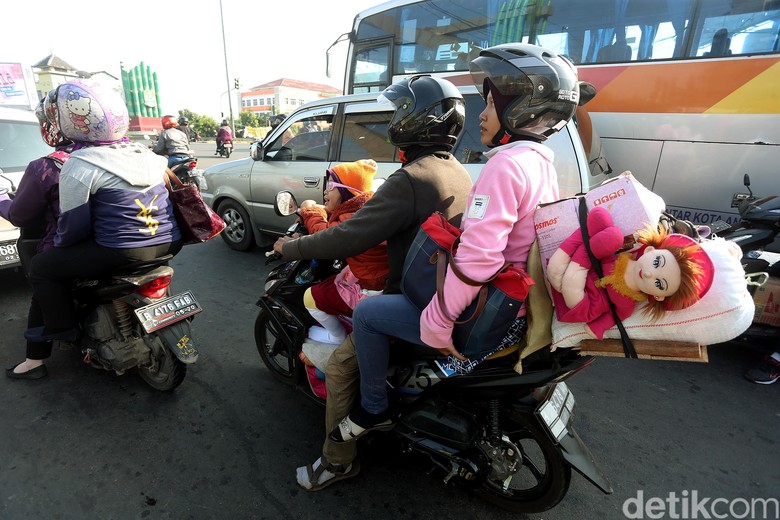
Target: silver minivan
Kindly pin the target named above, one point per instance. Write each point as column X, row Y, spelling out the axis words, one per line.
column 295, row 155
column 20, row 143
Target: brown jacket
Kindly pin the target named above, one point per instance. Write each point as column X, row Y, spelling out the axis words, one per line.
column 434, row 182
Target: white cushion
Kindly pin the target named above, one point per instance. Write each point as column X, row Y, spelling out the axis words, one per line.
column 724, row 313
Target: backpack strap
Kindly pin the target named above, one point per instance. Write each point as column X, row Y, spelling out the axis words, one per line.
column 628, row 345
column 59, row 157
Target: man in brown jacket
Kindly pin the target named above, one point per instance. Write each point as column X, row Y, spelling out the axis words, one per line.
column 431, row 179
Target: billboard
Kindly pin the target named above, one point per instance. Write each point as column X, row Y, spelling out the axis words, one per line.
column 17, row 86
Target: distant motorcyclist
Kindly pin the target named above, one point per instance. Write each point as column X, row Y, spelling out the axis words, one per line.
column 172, row 142
column 184, row 126
column 224, row 134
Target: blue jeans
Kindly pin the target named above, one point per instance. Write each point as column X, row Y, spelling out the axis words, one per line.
column 175, row 159
column 374, row 321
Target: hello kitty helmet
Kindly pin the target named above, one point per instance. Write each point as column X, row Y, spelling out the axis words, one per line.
column 88, row 112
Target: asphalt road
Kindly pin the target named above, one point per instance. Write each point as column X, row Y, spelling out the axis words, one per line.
column 88, row 444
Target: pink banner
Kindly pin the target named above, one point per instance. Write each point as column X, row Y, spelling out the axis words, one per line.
column 13, row 87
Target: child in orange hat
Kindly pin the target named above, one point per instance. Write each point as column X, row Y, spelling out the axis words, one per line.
column 347, row 189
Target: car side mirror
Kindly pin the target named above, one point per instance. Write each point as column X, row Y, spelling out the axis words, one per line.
column 256, row 151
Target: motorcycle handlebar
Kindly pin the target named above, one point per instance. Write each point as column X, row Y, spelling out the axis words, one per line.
column 272, row 256
column 296, row 229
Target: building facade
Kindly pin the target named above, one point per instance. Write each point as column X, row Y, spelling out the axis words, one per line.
column 284, row 95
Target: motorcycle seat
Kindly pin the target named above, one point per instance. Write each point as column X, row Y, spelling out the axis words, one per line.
column 182, row 161
column 143, row 265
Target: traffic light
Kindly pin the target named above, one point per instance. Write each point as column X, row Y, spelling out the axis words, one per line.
column 235, row 83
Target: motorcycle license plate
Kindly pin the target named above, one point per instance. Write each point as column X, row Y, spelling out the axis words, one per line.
column 556, row 410
column 170, row 310
column 8, row 253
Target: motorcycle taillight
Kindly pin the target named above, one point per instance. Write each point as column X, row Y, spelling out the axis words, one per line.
column 156, row 288
column 193, row 164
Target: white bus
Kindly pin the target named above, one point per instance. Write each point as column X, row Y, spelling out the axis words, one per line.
column 688, row 90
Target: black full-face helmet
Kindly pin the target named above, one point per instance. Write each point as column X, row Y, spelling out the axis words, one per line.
column 183, row 121
column 428, row 111
column 538, row 89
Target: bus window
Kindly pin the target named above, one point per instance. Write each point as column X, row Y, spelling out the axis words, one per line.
column 370, row 66
column 738, row 32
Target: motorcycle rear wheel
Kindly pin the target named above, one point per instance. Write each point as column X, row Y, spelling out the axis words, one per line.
column 543, row 477
column 277, row 356
column 165, row 372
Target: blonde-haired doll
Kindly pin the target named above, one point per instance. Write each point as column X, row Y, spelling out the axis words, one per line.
column 669, row 271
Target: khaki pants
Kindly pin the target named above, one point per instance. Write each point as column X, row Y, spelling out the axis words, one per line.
column 342, row 380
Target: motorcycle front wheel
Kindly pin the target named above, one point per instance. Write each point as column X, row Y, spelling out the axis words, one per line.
column 278, row 356
column 527, row 471
column 164, row 372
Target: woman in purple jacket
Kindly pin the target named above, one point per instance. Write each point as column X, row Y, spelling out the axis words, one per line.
column 35, row 209
column 114, row 208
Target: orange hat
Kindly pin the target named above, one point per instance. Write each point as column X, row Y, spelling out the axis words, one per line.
column 357, row 175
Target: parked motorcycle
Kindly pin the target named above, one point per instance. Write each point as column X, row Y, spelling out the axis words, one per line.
column 510, row 437
column 756, row 233
column 130, row 320
column 225, row 148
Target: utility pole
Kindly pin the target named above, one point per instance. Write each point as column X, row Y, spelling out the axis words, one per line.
column 227, row 75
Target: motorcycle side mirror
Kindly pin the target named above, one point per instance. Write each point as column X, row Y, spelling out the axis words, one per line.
column 285, row 204
column 587, row 92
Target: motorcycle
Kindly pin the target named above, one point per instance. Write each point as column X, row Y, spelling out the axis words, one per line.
column 510, row 437
column 756, row 233
column 225, row 148
column 129, row 320
column 188, row 173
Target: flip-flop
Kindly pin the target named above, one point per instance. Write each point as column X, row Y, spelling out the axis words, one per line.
column 349, row 431
column 313, row 474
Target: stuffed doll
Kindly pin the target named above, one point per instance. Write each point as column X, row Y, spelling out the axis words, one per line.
column 670, row 271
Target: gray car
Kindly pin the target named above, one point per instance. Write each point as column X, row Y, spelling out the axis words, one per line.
column 296, row 154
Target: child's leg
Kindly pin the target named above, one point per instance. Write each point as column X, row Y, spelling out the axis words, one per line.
column 334, row 331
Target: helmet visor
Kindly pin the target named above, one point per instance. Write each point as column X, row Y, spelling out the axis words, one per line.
column 507, row 77
column 398, row 94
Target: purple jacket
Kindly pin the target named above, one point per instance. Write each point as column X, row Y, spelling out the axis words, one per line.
column 37, row 200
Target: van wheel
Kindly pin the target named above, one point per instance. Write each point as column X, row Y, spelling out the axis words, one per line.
column 238, row 232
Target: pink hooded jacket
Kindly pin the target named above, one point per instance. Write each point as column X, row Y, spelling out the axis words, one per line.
column 498, row 226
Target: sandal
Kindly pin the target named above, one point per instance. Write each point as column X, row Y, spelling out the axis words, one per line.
column 317, row 476
column 349, row 431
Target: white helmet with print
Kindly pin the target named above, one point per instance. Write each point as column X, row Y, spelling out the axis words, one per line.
column 89, row 112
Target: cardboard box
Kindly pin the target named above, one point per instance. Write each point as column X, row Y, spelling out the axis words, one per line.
column 767, row 300
column 631, row 205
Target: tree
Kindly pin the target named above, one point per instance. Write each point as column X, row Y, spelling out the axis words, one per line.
column 247, row 119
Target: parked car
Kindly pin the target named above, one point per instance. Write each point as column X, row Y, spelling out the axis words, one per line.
column 320, row 134
column 20, row 143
